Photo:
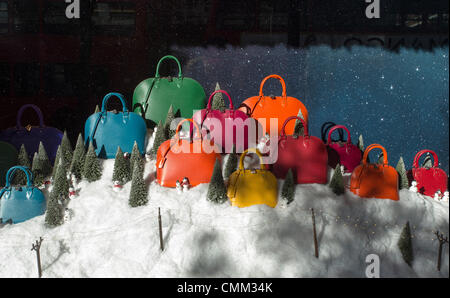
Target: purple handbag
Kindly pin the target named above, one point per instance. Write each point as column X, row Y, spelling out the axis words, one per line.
column 31, row 136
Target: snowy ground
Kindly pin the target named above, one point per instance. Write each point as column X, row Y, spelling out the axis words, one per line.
column 107, row 238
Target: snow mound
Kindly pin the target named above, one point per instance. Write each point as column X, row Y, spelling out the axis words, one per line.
column 107, row 238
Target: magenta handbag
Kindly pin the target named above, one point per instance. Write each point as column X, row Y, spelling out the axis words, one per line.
column 343, row 153
column 306, row 155
column 31, row 136
column 227, row 128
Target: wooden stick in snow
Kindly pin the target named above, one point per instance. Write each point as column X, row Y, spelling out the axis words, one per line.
column 37, row 247
column 160, row 230
column 442, row 241
column 316, row 247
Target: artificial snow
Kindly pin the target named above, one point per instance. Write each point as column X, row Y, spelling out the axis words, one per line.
column 104, row 237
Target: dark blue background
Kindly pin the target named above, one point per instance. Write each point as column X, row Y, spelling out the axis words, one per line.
column 399, row 100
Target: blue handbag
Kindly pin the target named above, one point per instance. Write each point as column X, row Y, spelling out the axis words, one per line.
column 20, row 203
column 109, row 130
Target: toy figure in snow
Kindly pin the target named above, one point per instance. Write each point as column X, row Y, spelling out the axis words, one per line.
column 178, row 186
column 73, row 181
column 50, row 184
column 117, row 186
column 186, row 185
column 126, row 155
column 72, row 193
column 437, row 195
column 68, row 214
column 445, row 196
column 147, row 157
column 263, row 142
column 413, row 186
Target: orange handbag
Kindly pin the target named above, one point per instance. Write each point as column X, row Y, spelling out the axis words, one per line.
column 192, row 158
column 264, row 107
column 371, row 180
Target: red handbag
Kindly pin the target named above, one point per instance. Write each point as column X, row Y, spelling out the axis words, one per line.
column 372, row 180
column 306, row 155
column 346, row 154
column 225, row 129
column 191, row 158
column 429, row 181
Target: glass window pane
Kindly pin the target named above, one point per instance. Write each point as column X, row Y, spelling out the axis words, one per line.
column 55, row 20
column 26, row 79
column 60, row 79
column 5, row 79
column 26, row 16
column 3, row 17
column 114, row 18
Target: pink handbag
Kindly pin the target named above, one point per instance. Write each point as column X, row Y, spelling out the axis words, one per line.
column 306, row 155
column 226, row 128
column 346, row 154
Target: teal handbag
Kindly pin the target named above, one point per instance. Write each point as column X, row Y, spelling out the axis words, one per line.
column 20, row 203
column 109, row 130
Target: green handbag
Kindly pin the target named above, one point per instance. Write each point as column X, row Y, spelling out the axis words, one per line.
column 8, row 159
column 153, row 97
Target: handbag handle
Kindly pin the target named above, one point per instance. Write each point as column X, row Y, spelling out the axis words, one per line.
column 177, row 131
column 305, row 126
column 108, row 96
column 27, row 172
column 250, row 150
column 208, row 107
column 420, row 153
column 180, row 75
column 371, row 147
column 35, row 108
column 273, row 76
column 349, row 140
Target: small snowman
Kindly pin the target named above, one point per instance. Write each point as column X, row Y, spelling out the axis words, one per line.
column 72, row 193
column 178, row 186
column 117, row 186
column 437, row 195
column 147, row 157
column 445, row 196
column 126, row 155
column 74, row 181
column 49, row 183
column 263, row 142
column 68, row 214
column 186, row 185
column 413, row 186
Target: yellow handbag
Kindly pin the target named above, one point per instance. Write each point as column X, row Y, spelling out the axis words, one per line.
column 252, row 187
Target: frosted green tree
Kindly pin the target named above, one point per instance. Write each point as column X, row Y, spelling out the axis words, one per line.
column 20, row 177
column 288, row 189
column 136, row 157
column 401, row 170
column 428, row 161
column 66, row 150
column 77, row 164
column 405, row 245
column 138, row 192
column 160, row 137
column 169, row 133
column 217, row 192
column 122, row 172
column 57, row 158
column 60, row 191
column 218, row 102
column 231, row 164
column 41, row 166
column 92, row 170
column 337, row 181
column 298, row 128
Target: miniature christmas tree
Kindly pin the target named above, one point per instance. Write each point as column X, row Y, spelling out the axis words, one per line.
column 41, row 167
column 66, row 150
column 298, row 128
column 57, row 157
column 122, row 172
column 218, row 102
column 288, row 190
column 169, row 133
column 54, row 214
column 337, row 181
column 361, row 143
column 231, row 164
column 135, row 157
column 217, row 192
column 22, row 160
column 160, row 137
column 405, row 245
column 76, row 166
column 97, row 109
column 138, row 192
column 428, row 161
column 380, row 160
column 403, row 179
column 91, row 170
